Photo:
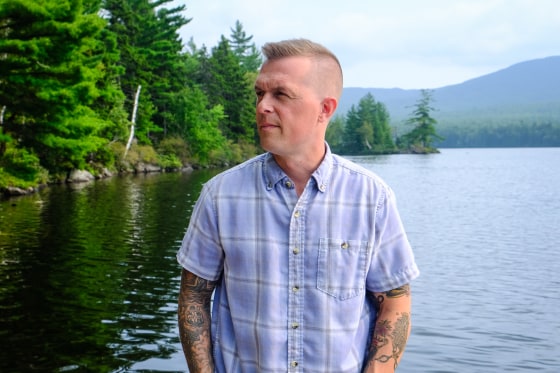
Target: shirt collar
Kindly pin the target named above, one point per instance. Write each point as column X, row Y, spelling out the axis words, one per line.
column 323, row 172
column 273, row 173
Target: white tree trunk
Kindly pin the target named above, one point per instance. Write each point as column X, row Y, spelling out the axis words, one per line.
column 133, row 121
column 2, row 115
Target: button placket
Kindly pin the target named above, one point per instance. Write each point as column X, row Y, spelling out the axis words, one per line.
column 295, row 300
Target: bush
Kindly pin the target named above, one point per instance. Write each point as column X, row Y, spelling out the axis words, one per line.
column 169, row 162
column 22, row 164
column 175, row 146
column 146, row 153
column 21, row 168
column 135, row 155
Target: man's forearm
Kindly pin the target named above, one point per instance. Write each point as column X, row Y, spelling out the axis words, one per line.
column 194, row 322
column 391, row 330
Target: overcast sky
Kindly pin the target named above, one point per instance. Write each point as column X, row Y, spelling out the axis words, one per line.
column 394, row 43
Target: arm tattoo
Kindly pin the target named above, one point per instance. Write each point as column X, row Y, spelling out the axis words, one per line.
column 399, row 292
column 388, row 332
column 394, row 293
column 194, row 321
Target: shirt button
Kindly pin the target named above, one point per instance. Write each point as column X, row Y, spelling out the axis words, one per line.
column 295, row 250
column 288, row 184
column 296, row 214
column 344, row 245
column 294, row 364
column 295, row 325
column 295, row 289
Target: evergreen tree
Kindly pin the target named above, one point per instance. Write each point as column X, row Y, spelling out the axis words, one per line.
column 352, row 142
column 424, row 132
column 229, row 87
column 197, row 65
column 150, row 48
column 367, row 128
column 246, row 51
column 169, row 61
column 201, row 131
column 51, row 76
column 335, row 133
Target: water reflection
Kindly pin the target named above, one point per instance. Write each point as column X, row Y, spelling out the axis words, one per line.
column 89, row 278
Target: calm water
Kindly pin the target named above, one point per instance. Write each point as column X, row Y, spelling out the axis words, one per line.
column 89, row 280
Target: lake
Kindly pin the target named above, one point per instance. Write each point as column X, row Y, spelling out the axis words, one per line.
column 89, row 280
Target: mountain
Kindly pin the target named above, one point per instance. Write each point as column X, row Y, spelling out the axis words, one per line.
column 527, row 89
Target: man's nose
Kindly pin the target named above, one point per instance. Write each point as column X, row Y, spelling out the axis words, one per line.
column 264, row 105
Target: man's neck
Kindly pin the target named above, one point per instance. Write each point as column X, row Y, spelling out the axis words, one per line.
column 299, row 169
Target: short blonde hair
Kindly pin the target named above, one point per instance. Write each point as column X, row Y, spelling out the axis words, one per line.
column 307, row 48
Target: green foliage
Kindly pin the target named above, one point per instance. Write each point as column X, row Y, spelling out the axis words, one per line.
column 72, row 142
column 335, row 133
column 424, row 133
column 234, row 153
column 5, row 139
column 69, row 73
column 145, row 153
column 197, row 124
column 150, row 48
column 514, row 133
column 169, row 161
column 229, row 88
column 21, row 168
column 176, row 147
column 247, row 53
column 367, row 129
column 51, row 76
column 116, row 151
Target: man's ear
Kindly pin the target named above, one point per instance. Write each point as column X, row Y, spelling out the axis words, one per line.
column 328, row 107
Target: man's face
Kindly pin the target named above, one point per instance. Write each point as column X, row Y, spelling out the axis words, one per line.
column 288, row 107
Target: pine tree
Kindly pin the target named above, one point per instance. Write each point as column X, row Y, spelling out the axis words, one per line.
column 151, row 56
column 424, row 132
column 52, row 75
column 229, row 87
column 335, row 133
column 246, row 51
column 367, row 128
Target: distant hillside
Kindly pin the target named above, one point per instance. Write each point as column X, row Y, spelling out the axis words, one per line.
column 524, row 88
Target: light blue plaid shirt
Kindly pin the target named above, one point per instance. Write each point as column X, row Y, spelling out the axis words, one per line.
column 294, row 271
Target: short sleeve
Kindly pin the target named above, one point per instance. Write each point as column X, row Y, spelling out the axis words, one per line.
column 201, row 252
column 393, row 262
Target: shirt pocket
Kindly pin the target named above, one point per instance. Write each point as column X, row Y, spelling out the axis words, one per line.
column 342, row 266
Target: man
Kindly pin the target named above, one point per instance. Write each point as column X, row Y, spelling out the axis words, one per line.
column 304, row 251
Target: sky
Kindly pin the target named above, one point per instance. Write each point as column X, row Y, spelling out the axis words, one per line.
column 409, row 44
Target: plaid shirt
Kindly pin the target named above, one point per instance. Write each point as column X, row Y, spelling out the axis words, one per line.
column 294, row 271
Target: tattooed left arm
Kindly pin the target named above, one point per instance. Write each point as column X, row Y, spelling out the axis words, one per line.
column 391, row 330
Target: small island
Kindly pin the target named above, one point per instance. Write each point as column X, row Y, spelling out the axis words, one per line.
column 365, row 129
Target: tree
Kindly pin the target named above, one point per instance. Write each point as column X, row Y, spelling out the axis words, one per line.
column 367, row 128
column 335, row 133
column 150, row 48
column 201, row 131
column 424, row 132
column 52, row 75
column 249, row 56
column 229, row 87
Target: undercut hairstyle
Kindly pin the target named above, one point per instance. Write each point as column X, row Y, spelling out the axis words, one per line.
column 306, row 48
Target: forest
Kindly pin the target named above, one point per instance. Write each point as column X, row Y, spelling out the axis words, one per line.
column 499, row 131
column 109, row 85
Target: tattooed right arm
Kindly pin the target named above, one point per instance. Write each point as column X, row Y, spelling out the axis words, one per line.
column 194, row 321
